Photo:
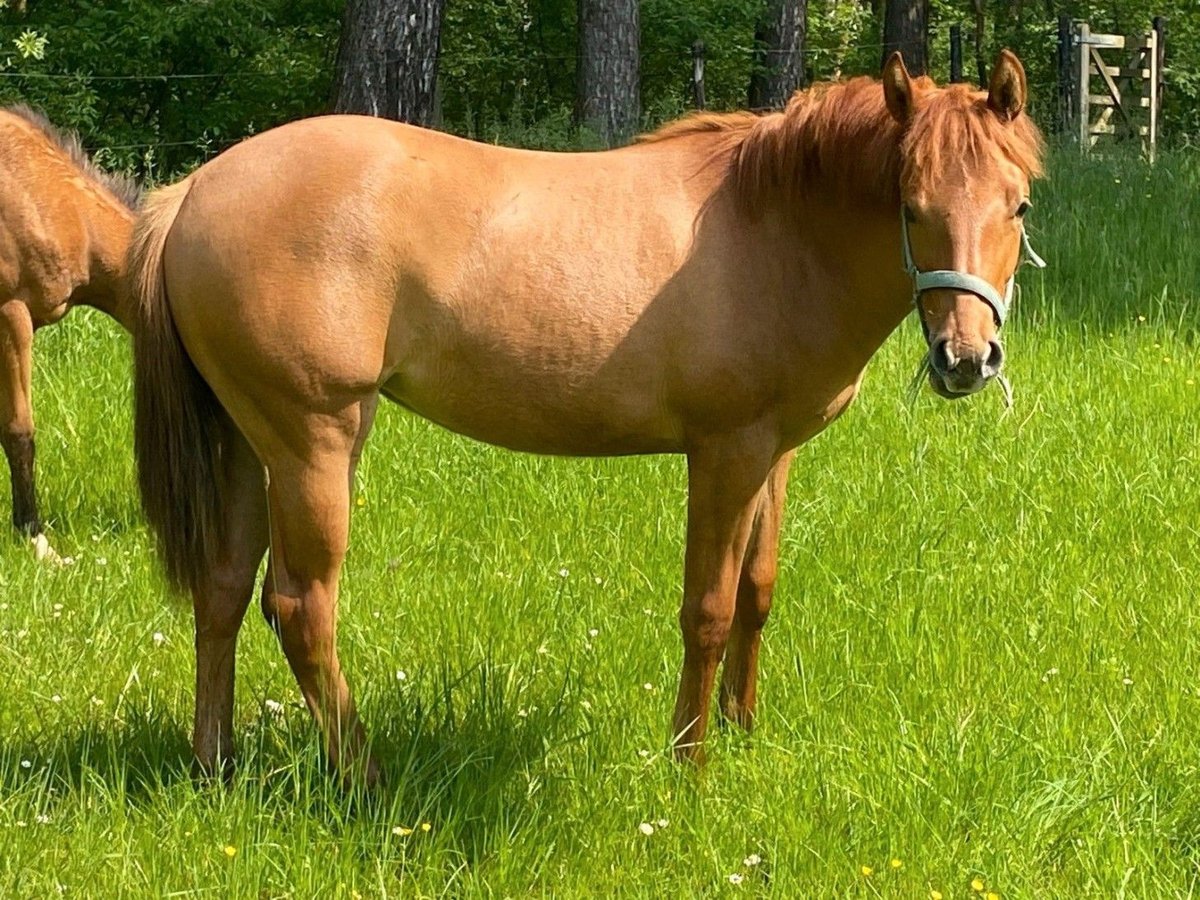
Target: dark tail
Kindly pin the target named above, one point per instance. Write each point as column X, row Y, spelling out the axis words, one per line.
column 177, row 418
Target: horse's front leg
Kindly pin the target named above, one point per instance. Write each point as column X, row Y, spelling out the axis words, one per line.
column 16, row 411
column 725, row 481
column 739, row 679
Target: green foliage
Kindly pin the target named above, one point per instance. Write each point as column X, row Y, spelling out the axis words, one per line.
column 113, row 68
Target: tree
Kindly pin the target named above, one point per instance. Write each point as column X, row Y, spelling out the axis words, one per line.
column 906, row 28
column 387, row 59
column 607, row 88
column 779, row 53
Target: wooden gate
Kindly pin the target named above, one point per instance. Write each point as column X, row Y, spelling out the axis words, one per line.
column 1111, row 85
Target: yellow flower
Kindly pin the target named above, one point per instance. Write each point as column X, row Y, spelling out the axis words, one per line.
column 425, row 826
column 1141, row 318
column 866, row 871
column 992, row 895
column 361, row 501
column 401, row 831
column 977, row 885
column 230, row 851
column 935, row 895
column 896, row 863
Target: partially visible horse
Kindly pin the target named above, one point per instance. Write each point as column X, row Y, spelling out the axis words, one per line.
column 65, row 227
column 715, row 290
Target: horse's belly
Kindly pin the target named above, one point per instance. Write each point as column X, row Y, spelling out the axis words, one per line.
column 539, row 415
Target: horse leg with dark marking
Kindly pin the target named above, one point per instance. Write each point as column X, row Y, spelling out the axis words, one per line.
column 756, row 585
column 16, row 411
column 725, row 480
column 309, row 500
column 220, row 609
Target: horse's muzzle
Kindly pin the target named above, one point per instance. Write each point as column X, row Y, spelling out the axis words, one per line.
column 960, row 371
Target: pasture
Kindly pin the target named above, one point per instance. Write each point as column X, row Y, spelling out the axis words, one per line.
column 980, row 674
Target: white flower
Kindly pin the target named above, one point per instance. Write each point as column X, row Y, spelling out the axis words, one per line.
column 752, row 860
column 401, row 675
column 564, row 572
column 646, row 828
column 648, row 686
column 592, row 632
column 26, row 764
column 662, row 823
column 1127, row 681
column 159, row 638
column 274, row 707
column 101, row 561
column 56, row 699
column 42, row 819
column 735, row 878
column 643, row 753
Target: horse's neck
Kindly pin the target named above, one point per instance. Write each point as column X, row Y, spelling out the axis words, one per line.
column 110, row 228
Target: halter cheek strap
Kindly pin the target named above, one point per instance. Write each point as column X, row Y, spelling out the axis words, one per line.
column 964, row 281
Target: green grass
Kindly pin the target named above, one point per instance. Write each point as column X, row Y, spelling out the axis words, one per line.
column 983, row 659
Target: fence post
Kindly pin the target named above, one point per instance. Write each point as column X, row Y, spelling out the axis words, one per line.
column 1160, row 33
column 1066, row 77
column 698, row 74
column 1083, row 109
column 956, row 54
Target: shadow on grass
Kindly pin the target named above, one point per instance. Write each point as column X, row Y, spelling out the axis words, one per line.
column 467, row 754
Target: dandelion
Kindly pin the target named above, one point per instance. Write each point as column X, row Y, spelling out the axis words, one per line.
column 425, row 827
column 992, row 895
column 401, row 831
column 159, row 638
column 977, row 885
column 361, row 501
column 866, row 871
column 735, row 878
column 646, row 828
column 230, row 851
column 896, row 863
column 935, row 894
column 751, row 861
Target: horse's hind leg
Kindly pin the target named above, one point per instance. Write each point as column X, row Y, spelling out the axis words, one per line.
column 219, row 610
column 309, row 499
column 756, row 585
column 16, row 411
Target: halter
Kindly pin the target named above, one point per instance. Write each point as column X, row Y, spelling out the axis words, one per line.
column 964, row 281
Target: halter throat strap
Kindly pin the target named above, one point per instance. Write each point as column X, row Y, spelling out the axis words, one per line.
column 952, row 279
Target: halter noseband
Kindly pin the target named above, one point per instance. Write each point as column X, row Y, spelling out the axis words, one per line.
column 964, row 281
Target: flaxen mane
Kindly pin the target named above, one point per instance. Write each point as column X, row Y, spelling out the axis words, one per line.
column 125, row 189
column 841, row 137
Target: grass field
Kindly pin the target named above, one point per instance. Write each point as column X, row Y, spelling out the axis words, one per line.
column 982, row 667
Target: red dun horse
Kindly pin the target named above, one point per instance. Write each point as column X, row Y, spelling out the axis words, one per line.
column 715, row 290
column 64, row 232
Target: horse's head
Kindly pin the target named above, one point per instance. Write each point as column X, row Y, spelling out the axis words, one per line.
column 968, row 159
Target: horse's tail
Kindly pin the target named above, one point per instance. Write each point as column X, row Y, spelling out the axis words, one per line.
column 176, row 415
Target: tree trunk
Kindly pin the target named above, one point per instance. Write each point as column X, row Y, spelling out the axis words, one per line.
column 387, row 59
column 607, row 90
column 906, row 28
column 779, row 53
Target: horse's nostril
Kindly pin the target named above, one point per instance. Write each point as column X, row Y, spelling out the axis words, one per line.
column 995, row 357
column 942, row 357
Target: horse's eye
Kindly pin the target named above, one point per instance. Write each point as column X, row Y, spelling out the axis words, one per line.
column 1022, row 209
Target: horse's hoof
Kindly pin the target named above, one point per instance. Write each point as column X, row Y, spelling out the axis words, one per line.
column 43, row 552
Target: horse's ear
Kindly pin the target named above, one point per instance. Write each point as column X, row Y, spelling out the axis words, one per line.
column 1008, row 89
column 898, row 89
